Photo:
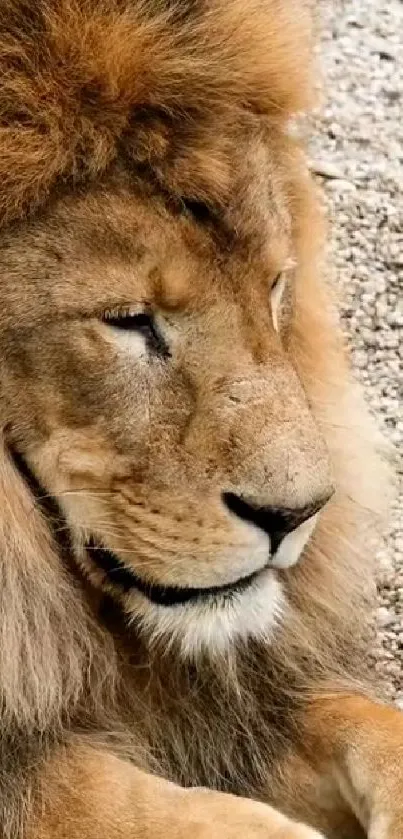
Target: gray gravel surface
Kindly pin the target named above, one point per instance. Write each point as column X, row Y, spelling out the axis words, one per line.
column 359, row 149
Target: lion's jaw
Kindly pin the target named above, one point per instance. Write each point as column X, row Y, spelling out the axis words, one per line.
column 198, row 597
column 213, row 624
column 210, row 624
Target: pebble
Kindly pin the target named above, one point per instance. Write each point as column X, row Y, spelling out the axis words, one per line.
column 356, row 153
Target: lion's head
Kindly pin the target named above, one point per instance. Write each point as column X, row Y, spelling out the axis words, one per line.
column 155, row 263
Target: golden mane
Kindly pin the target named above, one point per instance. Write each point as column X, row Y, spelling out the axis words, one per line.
column 81, row 83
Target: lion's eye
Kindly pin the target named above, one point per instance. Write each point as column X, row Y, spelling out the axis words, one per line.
column 277, row 281
column 140, row 323
column 199, row 211
column 276, row 294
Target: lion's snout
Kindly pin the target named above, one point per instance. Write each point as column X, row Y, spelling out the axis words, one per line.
column 276, row 522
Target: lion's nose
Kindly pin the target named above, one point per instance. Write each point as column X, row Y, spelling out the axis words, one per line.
column 277, row 522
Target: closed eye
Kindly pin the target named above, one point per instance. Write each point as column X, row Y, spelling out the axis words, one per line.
column 140, row 323
column 200, row 212
column 276, row 294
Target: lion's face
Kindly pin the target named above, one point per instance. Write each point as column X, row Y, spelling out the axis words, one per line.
column 148, row 386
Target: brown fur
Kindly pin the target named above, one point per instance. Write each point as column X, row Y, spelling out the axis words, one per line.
column 84, row 83
column 144, row 156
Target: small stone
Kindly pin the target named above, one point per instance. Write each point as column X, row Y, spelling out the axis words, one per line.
column 383, row 616
column 342, row 184
column 326, row 170
column 383, row 48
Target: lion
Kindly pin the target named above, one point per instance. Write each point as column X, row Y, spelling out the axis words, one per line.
column 189, row 478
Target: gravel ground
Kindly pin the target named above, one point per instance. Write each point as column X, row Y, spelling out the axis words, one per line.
column 359, row 149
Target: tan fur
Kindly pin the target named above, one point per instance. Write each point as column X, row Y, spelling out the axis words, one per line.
column 146, row 162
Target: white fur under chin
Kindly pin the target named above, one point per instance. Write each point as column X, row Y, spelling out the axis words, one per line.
column 211, row 625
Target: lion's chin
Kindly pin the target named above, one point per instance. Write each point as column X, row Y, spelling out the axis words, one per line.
column 199, row 621
column 212, row 624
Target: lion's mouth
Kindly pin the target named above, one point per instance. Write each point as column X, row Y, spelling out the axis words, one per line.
column 118, row 574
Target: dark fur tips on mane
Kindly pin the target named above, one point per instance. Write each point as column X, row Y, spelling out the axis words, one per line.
column 84, row 82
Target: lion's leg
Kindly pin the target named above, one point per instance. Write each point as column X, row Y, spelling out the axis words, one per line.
column 360, row 744
column 91, row 794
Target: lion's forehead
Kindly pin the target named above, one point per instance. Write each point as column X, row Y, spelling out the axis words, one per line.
column 120, row 244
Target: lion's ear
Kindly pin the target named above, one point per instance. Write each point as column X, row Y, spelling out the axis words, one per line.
column 41, row 651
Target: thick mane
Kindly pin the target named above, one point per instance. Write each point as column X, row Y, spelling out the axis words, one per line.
column 49, row 646
column 51, row 650
column 84, row 82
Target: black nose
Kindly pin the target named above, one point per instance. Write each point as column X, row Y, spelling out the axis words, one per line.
column 275, row 521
